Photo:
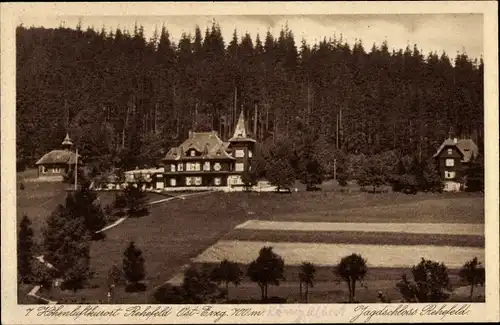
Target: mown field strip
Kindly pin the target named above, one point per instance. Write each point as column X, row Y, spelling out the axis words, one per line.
column 354, row 237
column 415, row 228
column 390, row 256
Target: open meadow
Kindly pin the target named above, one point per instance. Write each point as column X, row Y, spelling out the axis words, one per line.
column 180, row 232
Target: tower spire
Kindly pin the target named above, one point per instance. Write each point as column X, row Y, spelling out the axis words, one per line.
column 240, row 131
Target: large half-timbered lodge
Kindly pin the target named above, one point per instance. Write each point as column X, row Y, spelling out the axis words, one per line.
column 203, row 160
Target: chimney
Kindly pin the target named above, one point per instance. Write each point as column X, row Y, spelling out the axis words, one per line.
column 455, row 140
column 190, row 134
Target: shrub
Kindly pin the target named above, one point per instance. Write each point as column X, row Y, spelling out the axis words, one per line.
column 430, row 283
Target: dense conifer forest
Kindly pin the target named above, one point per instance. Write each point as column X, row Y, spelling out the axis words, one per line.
column 126, row 99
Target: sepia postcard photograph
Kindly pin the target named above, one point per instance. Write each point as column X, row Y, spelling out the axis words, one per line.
column 250, row 162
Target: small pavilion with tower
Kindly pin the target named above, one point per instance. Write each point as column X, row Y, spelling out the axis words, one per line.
column 54, row 165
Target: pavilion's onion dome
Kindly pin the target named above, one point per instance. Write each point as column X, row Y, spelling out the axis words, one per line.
column 67, row 141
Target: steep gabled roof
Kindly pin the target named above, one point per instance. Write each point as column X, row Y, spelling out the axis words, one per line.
column 467, row 148
column 207, row 143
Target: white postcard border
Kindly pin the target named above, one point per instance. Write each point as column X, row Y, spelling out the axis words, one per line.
column 12, row 313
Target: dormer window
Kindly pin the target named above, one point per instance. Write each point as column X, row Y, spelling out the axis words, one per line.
column 193, row 153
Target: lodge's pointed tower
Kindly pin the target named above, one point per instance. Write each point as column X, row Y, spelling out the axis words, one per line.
column 242, row 147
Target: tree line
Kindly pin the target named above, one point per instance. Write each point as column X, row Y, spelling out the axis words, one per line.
column 430, row 280
column 126, row 99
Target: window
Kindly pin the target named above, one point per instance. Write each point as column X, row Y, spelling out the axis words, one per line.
column 179, row 167
column 450, row 162
column 249, row 154
column 449, row 175
column 240, row 167
column 239, row 153
column 188, row 181
column 56, row 170
column 217, row 166
column 197, row 181
column 450, row 151
column 172, row 168
column 193, row 153
column 217, row 181
column 191, row 167
column 173, row 182
column 206, row 166
column 43, row 169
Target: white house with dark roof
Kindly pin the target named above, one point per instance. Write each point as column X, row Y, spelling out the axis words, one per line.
column 453, row 158
column 54, row 165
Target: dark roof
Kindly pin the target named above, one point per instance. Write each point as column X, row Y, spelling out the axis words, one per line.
column 58, row 157
column 467, row 148
column 208, row 143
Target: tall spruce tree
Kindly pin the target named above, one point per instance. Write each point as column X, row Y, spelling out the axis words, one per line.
column 25, row 243
column 66, row 246
column 133, row 266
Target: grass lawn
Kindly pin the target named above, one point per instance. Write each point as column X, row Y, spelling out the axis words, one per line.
column 39, row 199
column 179, row 230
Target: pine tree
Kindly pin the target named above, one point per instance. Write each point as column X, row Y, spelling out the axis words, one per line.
column 133, row 267
column 136, row 202
column 25, row 252
column 66, row 247
column 119, row 207
column 279, row 170
column 83, row 204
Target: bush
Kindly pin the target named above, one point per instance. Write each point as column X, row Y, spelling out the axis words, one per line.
column 430, row 283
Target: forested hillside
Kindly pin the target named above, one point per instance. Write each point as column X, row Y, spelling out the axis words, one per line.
column 127, row 98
